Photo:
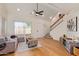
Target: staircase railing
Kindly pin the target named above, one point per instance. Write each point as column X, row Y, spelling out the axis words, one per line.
column 56, row 23
column 60, row 20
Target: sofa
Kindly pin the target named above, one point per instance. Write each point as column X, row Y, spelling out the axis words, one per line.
column 8, row 45
column 21, row 38
column 67, row 43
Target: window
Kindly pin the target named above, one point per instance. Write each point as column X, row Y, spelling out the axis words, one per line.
column 22, row 28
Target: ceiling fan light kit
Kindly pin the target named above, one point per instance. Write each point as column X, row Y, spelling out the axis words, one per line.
column 37, row 14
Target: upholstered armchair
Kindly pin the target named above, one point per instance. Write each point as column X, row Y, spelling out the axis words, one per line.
column 21, row 38
column 67, row 43
column 7, row 45
column 32, row 43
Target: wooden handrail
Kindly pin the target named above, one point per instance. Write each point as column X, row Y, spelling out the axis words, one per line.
column 57, row 20
column 56, row 25
column 60, row 17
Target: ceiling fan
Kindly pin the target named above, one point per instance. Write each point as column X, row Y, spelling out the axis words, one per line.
column 38, row 12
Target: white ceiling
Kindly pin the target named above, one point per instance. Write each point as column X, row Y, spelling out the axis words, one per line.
column 66, row 7
column 27, row 9
column 50, row 9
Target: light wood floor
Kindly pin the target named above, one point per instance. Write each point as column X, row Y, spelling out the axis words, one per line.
column 49, row 47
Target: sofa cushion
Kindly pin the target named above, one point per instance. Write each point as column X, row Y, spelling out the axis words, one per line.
column 13, row 36
column 2, row 46
column 21, row 39
column 2, row 40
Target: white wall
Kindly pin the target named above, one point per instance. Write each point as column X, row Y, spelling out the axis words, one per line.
column 73, row 34
column 58, row 31
column 0, row 24
column 62, row 28
column 39, row 26
column 0, row 19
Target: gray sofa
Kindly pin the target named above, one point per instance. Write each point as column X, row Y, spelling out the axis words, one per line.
column 68, row 44
column 21, row 38
column 10, row 45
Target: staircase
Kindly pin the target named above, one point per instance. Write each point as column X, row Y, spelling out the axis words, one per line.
column 47, row 36
column 55, row 24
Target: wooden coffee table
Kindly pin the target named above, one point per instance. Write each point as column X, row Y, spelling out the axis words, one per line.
column 76, row 48
column 76, row 51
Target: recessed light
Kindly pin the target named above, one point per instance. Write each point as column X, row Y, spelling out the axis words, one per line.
column 18, row 9
column 32, row 12
column 50, row 17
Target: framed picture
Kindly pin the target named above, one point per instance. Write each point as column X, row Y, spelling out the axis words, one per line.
column 72, row 24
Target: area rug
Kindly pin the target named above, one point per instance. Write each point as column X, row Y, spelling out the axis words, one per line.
column 23, row 47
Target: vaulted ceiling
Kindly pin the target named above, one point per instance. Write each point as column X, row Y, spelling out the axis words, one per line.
column 27, row 9
column 50, row 9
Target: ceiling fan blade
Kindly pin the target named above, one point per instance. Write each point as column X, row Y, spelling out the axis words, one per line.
column 37, row 12
column 40, row 14
column 41, row 11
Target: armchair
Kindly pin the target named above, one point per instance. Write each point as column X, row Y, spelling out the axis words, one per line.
column 10, row 45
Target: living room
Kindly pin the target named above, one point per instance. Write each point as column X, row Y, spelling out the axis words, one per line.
column 30, row 28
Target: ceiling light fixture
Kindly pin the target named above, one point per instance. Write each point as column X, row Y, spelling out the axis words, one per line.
column 33, row 12
column 18, row 9
column 42, row 15
column 50, row 17
column 37, row 11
